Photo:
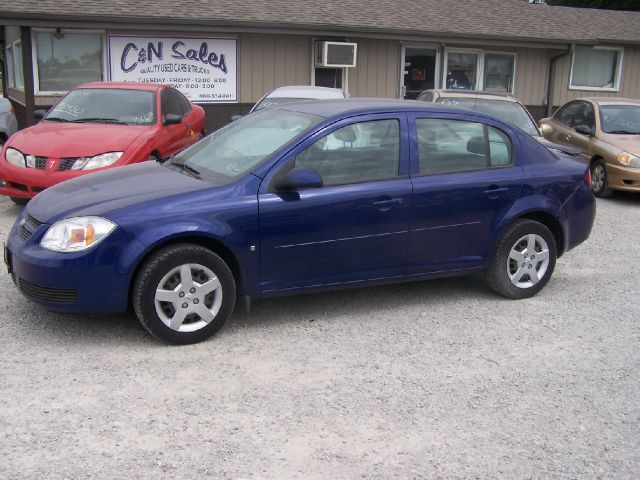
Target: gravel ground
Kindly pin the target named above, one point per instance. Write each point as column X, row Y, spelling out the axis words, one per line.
column 438, row 379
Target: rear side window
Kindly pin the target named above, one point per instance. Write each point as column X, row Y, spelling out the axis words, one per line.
column 360, row 152
column 170, row 102
column 449, row 146
column 185, row 104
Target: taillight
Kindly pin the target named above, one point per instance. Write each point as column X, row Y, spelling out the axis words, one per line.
column 587, row 177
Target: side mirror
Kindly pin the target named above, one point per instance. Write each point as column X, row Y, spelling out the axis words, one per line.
column 584, row 130
column 298, row 178
column 236, row 117
column 39, row 114
column 546, row 129
column 171, row 119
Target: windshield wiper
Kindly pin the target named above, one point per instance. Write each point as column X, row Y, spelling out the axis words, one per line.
column 623, row 132
column 56, row 119
column 100, row 120
column 185, row 167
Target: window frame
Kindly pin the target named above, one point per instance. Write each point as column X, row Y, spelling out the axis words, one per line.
column 34, row 55
column 11, row 82
column 619, row 64
column 485, row 129
column 479, row 67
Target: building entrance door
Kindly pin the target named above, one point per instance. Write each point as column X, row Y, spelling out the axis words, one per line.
column 419, row 72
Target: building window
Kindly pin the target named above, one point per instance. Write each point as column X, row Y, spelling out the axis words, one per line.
column 462, row 70
column 498, row 72
column 596, row 68
column 15, row 72
column 65, row 60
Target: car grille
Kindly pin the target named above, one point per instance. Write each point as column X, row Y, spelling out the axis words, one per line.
column 47, row 294
column 67, row 163
column 41, row 163
column 25, row 233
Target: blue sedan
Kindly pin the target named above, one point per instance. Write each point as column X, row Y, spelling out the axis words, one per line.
column 301, row 198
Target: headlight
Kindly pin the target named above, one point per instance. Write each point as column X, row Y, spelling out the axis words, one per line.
column 76, row 234
column 15, row 157
column 629, row 160
column 97, row 161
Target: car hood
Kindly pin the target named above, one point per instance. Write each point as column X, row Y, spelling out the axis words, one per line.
column 103, row 192
column 57, row 140
column 628, row 143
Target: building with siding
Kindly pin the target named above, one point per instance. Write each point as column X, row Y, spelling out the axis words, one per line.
column 544, row 55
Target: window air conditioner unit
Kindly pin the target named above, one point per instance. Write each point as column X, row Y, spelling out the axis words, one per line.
column 336, row 54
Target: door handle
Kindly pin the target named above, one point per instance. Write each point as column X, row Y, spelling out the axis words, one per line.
column 493, row 191
column 387, row 203
column 568, row 138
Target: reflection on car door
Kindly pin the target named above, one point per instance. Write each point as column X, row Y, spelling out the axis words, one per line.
column 465, row 178
column 353, row 228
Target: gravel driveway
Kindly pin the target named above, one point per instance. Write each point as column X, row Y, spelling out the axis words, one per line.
column 438, row 379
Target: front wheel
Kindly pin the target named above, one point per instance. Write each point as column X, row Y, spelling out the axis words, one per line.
column 599, row 180
column 183, row 294
column 523, row 261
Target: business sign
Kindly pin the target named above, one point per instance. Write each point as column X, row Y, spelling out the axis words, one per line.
column 203, row 69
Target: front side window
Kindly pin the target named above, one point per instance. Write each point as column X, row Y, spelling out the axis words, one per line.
column 105, row 105
column 449, row 146
column 498, row 72
column 66, row 60
column 620, row 119
column 595, row 68
column 170, row 103
column 360, row 152
column 240, row 146
column 565, row 114
column 462, row 70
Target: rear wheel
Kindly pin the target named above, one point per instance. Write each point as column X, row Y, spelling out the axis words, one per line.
column 184, row 294
column 599, row 180
column 523, row 261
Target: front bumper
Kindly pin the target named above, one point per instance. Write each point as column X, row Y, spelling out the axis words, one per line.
column 93, row 281
column 28, row 182
column 623, row 178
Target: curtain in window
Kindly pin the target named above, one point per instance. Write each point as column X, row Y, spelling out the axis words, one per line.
column 594, row 68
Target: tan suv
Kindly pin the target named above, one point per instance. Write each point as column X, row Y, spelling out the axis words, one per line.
column 607, row 130
column 501, row 105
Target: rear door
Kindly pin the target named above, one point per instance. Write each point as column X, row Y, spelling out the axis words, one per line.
column 353, row 228
column 466, row 175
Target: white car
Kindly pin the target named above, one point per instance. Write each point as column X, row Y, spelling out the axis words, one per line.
column 8, row 122
column 294, row 93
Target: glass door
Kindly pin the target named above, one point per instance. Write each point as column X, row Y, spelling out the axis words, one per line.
column 419, row 72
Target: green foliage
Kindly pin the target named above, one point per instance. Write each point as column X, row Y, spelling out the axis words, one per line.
column 606, row 4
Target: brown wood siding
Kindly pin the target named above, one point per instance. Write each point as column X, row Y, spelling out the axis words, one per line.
column 377, row 69
column 268, row 61
column 531, row 75
column 629, row 79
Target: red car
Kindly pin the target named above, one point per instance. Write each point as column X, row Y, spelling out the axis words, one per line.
column 94, row 127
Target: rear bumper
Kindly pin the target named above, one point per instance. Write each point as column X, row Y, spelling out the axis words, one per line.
column 577, row 216
column 623, row 178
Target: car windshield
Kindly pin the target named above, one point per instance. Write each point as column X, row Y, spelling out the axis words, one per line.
column 511, row 112
column 270, row 102
column 620, row 119
column 105, row 105
column 241, row 145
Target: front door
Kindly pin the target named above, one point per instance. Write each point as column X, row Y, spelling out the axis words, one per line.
column 354, row 227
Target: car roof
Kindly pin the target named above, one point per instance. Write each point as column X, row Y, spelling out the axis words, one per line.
column 474, row 94
column 305, row 91
column 355, row 106
column 611, row 100
column 152, row 87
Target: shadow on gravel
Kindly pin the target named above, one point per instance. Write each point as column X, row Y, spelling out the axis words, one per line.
column 124, row 329
column 623, row 198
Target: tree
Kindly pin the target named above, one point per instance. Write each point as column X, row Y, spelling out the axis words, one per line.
column 605, row 4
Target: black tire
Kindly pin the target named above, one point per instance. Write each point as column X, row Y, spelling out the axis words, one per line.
column 600, row 180
column 19, row 201
column 151, row 276
column 502, row 266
